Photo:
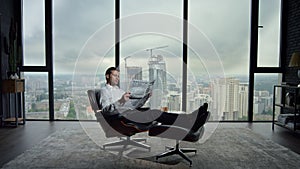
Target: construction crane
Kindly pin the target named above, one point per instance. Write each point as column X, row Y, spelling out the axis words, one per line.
column 125, row 59
column 126, row 76
column 159, row 47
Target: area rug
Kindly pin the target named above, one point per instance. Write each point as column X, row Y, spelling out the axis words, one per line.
column 228, row 148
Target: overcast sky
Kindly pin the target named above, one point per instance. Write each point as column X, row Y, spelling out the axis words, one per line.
column 218, row 34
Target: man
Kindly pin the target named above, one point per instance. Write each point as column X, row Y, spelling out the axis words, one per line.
column 115, row 101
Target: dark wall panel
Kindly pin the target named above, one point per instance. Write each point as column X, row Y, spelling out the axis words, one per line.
column 10, row 10
column 292, row 38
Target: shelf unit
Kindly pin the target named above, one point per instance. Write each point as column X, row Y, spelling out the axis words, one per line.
column 14, row 87
column 293, row 108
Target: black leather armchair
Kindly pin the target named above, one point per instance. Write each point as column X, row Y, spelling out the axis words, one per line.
column 116, row 125
column 179, row 134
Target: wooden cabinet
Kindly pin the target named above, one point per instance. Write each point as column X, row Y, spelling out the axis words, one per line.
column 286, row 100
column 14, row 88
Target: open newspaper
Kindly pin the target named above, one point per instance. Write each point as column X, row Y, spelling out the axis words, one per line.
column 140, row 92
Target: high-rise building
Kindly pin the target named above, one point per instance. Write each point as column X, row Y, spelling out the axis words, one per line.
column 131, row 73
column 226, row 98
column 174, row 101
column 262, row 102
column 157, row 72
column 243, row 100
column 134, row 73
column 231, row 102
column 218, row 94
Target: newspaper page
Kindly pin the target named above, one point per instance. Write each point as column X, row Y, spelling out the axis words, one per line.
column 140, row 92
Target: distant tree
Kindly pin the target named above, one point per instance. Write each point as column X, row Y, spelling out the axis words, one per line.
column 268, row 112
column 33, row 107
column 243, row 118
column 41, row 97
column 72, row 112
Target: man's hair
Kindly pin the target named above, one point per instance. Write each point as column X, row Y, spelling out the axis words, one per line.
column 109, row 70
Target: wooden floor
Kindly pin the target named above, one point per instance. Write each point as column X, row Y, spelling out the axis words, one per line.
column 14, row 141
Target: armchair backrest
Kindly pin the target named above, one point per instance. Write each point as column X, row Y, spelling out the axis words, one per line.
column 94, row 97
column 112, row 126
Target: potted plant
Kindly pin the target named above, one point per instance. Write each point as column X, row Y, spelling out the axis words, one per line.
column 13, row 51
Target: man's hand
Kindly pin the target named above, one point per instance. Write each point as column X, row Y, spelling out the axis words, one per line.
column 124, row 98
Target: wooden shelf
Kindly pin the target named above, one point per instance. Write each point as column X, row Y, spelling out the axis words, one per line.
column 13, row 85
column 13, row 122
column 286, row 126
column 13, row 119
column 16, row 88
column 284, row 107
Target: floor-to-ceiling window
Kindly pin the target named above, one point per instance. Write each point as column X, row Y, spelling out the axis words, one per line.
column 267, row 57
column 83, row 41
column 269, row 33
column 263, row 95
column 219, row 56
column 36, row 83
column 34, row 32
column 37, row 95
column 151, row 47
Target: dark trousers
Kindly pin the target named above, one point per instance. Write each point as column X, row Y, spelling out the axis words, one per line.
column 166, row 118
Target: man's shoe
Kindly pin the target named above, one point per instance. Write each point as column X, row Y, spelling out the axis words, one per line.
column 201, row 117
column 200, row 110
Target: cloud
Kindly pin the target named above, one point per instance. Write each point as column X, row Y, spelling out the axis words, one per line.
column 84, row 32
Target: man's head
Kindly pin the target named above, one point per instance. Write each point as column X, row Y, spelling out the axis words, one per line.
column 112, row 76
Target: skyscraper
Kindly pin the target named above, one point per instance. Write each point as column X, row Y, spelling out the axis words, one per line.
column 243, row 100
column 228, row 95
column 134, row 73
column 157, row 72
column 231, row 102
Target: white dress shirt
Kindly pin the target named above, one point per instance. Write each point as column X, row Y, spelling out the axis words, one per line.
column 109, row 101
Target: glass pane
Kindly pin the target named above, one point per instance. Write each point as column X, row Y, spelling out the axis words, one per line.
column 83, row 49
column 34, row 32
column 219, row 47
column 263, row 96
column 268, row 36
column 152, row 48
column 36, row 96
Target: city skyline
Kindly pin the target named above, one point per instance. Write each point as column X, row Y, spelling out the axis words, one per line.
column 72, row 90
